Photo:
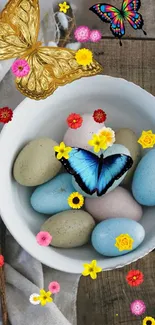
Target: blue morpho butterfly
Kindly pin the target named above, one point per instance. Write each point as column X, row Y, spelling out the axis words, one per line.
column 93, row 173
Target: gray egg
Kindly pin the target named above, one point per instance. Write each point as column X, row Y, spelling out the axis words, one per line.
column 69, row 228
column 36, row 163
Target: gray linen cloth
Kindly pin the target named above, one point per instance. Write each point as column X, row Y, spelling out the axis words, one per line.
column 24, row 274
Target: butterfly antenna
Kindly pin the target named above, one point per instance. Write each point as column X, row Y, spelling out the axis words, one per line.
column 144, row 32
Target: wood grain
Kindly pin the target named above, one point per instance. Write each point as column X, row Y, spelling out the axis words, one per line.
column 133, row 61
column 101, row 300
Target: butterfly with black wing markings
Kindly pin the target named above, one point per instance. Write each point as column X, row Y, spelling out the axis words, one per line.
column 110, row 14
column 93, row 173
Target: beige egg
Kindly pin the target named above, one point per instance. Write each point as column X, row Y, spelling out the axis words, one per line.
column 36, row 163
column 129, row 139
column 118, row 203
column 69, row 228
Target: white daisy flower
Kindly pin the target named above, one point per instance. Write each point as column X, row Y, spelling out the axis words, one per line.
column 33, row 299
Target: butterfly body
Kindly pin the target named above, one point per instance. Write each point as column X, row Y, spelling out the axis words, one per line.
column 93, row 173
column 110, row 14
column 50, row 67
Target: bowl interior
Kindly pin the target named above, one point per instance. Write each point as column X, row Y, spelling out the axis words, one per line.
column 126, row 105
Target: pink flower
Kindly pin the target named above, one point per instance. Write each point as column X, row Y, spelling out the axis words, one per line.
column 43, row 238
column 82, row 34
column 54, row 287
column 137, row 307
column 20, row 68
column 95, row 35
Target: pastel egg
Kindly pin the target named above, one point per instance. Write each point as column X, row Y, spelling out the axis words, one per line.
column 69, row 228
column 143, row 185
column 115, row 237
column 107, row 206
column 129, row 139
column 116, row 148
column 79, row 137
column 52, row 197
column 36, row 163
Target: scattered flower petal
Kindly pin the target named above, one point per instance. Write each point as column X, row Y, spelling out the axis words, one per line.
column 109, row 134
column 76, row 200
column 74, row 120
column 91, row 269
column 44, row 238
column 99, row 116
column 82, row 34
column 20, row 68
column 95, row 35
column 98, row 142
column 148, row 321
column 45, row 297
column 135, row 278
column 62, row 151
column 54, row 287
column 137, row 307
column 84, row 57
column 6, row 114
column 147, row 139
column 63, row 7
column 1, row 260
column 34, row 299
column 124, row 242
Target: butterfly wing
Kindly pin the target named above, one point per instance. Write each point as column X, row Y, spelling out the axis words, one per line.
column 130, row 8
column 19, row 27
column 113, row 168
column 83, row 165
column 112, row 15
column 52, row 67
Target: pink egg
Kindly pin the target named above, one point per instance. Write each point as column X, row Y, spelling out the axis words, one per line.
column 80, row 137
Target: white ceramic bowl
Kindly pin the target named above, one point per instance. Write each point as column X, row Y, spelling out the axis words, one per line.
column 126, row 105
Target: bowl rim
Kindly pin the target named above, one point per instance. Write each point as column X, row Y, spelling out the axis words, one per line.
column 6, row 211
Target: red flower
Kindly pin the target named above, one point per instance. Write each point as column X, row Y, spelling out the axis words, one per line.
column 1, row 260
column 5, row 114
column 74, row 120
column 135, row 278
column 99, row 116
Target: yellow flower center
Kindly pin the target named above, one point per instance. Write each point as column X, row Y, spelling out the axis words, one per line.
column 97, row 142
column 91, row 269
column 148, row 139
column 134, row 277
column 45, row 297
column 124, row 241
column 74, row 121
column 5, row 114
column 35, row 298
column 62, row 150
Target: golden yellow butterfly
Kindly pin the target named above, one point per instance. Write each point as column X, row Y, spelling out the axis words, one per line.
column 50, row 67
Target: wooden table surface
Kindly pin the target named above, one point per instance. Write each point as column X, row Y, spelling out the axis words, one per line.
column 97, row 303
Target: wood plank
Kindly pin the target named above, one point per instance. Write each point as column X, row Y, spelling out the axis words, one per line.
column 99, row 301
column 134, row 60
column 85, row 17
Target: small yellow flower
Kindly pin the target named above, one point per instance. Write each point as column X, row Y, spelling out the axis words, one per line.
column 147, row 139
column 91, row 269
column 45, row 297
column 62, row 151
column 76, row 200
column 84, row 57
column 124, row 242
column 64, row 7
column 109, row 134
column 148, row 321
column 98, row 142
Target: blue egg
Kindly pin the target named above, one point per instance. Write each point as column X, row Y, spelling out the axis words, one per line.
column 143, row 185
column 51, row 197
column 115, row 149
column 105, row 233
